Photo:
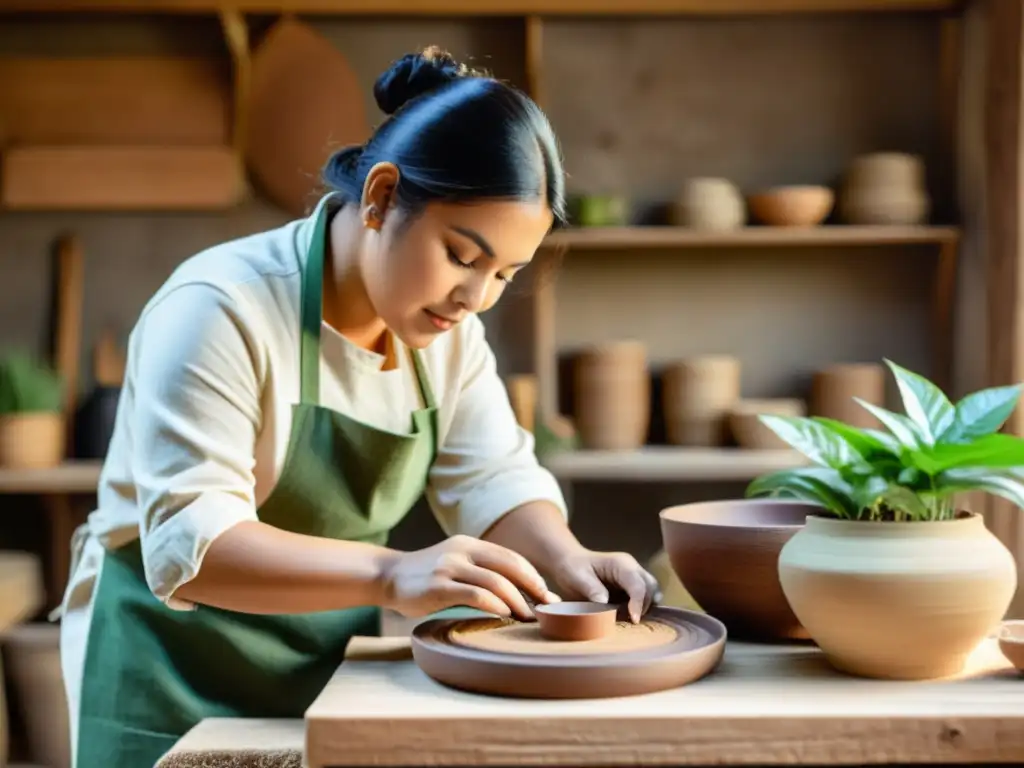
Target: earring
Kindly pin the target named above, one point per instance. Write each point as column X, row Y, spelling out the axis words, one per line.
column 372, row 218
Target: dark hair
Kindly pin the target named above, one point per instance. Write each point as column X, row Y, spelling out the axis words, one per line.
column 455, row 134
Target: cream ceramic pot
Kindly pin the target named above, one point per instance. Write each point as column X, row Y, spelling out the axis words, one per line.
column 897, row 600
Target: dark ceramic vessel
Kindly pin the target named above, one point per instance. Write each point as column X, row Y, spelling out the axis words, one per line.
column 726, row 555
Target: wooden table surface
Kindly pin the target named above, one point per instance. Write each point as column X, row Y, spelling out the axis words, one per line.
column 764, row 705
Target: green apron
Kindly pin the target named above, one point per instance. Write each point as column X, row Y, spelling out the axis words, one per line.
column 152, row 672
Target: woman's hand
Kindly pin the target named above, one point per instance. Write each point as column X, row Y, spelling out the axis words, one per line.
column 587, row 575
column 462, row 571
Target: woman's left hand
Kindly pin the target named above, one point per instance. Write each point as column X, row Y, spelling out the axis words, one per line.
column 588, row 575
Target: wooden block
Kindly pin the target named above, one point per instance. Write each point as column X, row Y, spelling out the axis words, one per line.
column 115, row 100
column 124, row 178
column 765, row 705
column 238, row 743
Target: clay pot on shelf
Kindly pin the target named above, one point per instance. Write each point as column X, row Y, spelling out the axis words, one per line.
column 897, row 600
column 833, row 390
column 696, row 397
column 613, row 396
column 725, row 554
column 599, row 210
column 522, row 396
column 32, row 440
column 709, row 204
column 747, row 429
column 792, row 206
column 885, row 188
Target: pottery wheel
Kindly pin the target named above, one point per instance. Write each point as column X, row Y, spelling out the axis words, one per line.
column 508, row 636
column 670, row 648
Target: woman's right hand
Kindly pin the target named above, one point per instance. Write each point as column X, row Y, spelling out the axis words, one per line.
column 463, row 571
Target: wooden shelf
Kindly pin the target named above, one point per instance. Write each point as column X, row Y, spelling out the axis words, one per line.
column 492, row 8
column 684, row 237
column 71, row 477
column 671, row 463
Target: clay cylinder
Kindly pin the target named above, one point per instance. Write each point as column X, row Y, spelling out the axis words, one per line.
column 697, row 395
column 835, row 387
column 613, row 396
column 885, row 188
column 522, row 396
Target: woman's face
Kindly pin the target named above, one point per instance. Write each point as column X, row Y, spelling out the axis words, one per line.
column 425, row 275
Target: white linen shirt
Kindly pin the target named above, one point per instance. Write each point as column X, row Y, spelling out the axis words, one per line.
column 205, row 413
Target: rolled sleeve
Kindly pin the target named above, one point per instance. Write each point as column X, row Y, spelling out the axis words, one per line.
column 486, row 466
column 196, row 414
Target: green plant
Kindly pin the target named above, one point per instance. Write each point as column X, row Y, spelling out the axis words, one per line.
column 912, row 471
column 27, row 386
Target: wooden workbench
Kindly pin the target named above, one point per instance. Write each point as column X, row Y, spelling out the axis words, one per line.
column 764, row 705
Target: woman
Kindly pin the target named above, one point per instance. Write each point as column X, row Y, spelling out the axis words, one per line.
column 289, row 396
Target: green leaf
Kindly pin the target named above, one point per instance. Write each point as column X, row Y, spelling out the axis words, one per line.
column 869, row 443
column 816, row 441
column 902, row 427
column 982, row 413
column 818, row 485
column 868, row 490
column 1000, row 484
column 27, row 385
column 992, row 451
column 926, row 405
column 900, row 499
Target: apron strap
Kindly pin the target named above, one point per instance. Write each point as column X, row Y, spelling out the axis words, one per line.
column 312, row 317
column 311, row 308
column 426, row 391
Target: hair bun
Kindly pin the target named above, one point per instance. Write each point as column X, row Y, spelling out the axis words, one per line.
column 416, row 74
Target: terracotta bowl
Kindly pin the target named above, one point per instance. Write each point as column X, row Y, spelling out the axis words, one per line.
column 575, row 621
column 797, row 206
column 726, row 555
column 1011, row 642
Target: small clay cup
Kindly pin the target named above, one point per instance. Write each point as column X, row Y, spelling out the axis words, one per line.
column 1011, row 642
column 575, row 621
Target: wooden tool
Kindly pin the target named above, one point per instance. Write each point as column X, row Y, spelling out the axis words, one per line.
column 108, row 360
column 70, row 280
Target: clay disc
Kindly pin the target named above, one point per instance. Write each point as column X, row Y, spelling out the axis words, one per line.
column 670, row 648
column 507, row 636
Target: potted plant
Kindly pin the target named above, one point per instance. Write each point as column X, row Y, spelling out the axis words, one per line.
column 893, row 579
column 31, row 422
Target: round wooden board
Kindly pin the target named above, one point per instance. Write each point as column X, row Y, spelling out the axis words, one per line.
column 304, row 102
column 695, row 651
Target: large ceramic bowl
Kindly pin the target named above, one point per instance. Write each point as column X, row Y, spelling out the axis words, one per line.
column 726, row 555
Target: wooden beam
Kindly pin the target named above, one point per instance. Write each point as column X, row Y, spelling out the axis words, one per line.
column 1004, row 200
column 1004, row 122
column 486, row 8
